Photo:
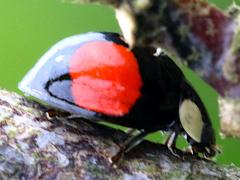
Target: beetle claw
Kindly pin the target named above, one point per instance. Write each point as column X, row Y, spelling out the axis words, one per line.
column 217, row 149
column 171, row 144
column 126, row 146
column 208, row 150
column 117, row 159
column 190, row 150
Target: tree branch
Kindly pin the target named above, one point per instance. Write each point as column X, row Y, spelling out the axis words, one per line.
column 34, row 147
column 195, row 32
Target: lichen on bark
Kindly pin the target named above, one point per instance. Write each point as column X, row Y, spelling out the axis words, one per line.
column 34, row 147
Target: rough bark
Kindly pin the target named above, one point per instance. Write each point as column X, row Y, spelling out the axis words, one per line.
column 33, row 147
column 195, row 32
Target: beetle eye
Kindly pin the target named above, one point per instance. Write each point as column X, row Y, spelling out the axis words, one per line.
column 191, row 119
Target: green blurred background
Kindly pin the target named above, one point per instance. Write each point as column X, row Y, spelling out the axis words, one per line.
column 29, row 27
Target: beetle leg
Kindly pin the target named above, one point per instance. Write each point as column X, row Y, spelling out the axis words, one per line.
column 192, row 150
column 127, row 145
column 136, row 140
column 129, row 133
column 55, row 114
column 171, row 143
column 61, row 115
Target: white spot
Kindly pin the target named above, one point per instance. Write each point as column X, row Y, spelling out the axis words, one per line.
column 59, row 58
column 127, row 24
column 158, row 52
column 191, row 119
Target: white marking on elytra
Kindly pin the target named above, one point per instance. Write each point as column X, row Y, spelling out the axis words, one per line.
column 25, row 84
column 158, row 52
column 59, row 58
column 191, row 119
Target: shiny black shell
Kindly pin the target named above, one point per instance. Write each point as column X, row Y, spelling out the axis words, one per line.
column 164, row 87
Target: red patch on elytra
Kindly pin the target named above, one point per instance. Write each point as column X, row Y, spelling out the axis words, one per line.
column 105, row 78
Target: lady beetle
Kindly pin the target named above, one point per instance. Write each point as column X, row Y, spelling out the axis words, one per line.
column 97, row 77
